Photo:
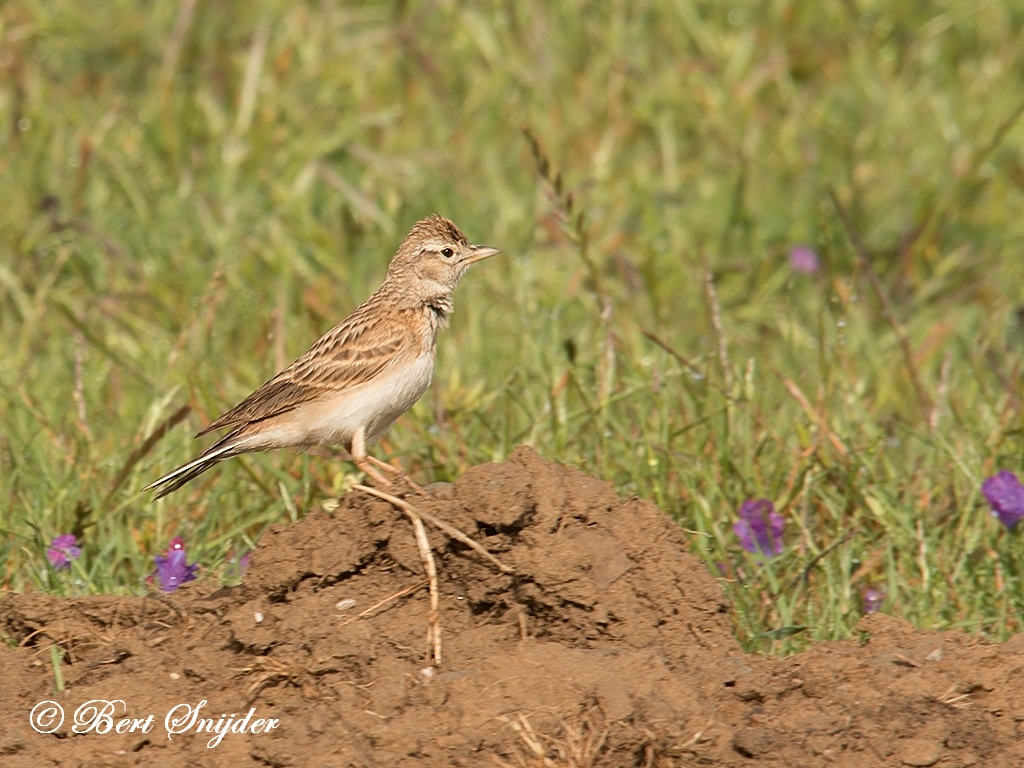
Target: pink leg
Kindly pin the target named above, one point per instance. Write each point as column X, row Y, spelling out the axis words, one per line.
column 397, row 472
column 366, row 463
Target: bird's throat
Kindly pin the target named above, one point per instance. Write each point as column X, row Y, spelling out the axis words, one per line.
column 440, row 307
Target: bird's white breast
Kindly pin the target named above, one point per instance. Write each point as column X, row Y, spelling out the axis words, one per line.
column 375, row 405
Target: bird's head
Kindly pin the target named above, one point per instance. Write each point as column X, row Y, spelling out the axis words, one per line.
column 434, row 256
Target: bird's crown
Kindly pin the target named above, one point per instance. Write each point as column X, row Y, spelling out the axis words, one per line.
column 435, row 228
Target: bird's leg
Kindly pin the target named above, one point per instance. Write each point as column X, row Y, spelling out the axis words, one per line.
column 367, row 464
column 362, row 460
column 367, row 467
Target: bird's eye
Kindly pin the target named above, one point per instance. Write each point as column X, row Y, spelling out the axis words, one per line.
column 447, row 253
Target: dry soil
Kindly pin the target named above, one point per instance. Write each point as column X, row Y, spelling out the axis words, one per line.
column 608, row 646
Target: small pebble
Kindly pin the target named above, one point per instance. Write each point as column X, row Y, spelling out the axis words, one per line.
column 427, row 673
column 441, row 491
column 345, row 604
column 919, row 753
column 175, row 676
column 259, row 617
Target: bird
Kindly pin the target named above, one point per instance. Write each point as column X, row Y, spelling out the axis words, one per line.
column 359, row 377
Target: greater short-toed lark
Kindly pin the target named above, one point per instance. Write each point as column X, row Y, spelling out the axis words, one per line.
column 364, row 373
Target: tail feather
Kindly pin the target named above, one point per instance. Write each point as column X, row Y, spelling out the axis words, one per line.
column 172, row 481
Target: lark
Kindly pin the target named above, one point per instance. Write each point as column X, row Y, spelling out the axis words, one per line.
column 352, row 384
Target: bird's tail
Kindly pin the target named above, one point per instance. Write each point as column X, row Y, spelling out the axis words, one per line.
column 224, row 448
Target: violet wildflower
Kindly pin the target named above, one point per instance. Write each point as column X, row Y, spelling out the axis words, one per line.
column 803, row 259
column 62, row 551
column 872, row 598
column 760, row 527
column 1006, row 495
column 171, row 570
column 237, row 566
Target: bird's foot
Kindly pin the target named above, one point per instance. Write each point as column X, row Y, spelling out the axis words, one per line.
column 371, row 464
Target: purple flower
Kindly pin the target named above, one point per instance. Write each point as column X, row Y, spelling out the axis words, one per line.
column 1006, row 495
column 171, row 570
column 62, row 551
column 803, row 259
column 760, row 527
column 237, row 566
column 872, row 598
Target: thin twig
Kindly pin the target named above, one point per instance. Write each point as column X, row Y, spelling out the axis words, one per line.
column 441, row 525
column 715, row 310
column 924, row 401
column 416, row 517
column 51, row 206
column 816, row 416
column 922, row 555
column 101, row 345
column 386, row 600
column 1001, row 130
column 280, row 353
column 607, row 381
column 806, row 570
column 573, row 226
column 251, row 79
column 172, row 51
column 79, row 390
column 427, row 558
column 942, row 391
column 147, row 445
column 458, row 535
column 683, row 361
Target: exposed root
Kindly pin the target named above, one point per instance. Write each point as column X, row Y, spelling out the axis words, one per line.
column 579, row 745
column 429, row 566
column 386, row 600
column 441, row 525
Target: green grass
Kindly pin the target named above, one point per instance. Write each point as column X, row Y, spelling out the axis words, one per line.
column 191, row 197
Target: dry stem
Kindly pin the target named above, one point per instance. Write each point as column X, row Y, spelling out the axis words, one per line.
column 427, row 557
column 441, row 525
column 888, row 311
column 386, row 600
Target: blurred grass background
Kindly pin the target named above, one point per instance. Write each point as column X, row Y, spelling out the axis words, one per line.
column 193, row 192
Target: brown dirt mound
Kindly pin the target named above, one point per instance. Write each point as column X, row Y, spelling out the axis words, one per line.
column 609, row 646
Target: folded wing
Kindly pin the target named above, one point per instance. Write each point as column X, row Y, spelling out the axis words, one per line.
column 352, row 353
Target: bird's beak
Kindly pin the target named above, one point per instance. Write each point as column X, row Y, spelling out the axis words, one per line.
column 479, row 253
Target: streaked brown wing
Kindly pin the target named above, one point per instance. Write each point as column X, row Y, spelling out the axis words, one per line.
column 353, row 352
